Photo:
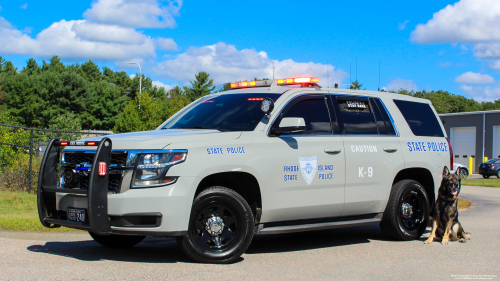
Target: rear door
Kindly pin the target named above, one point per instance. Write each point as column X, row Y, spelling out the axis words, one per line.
column 372, row 150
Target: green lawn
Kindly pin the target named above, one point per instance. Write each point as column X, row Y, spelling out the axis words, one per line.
column 18, row 211
column 491, row 182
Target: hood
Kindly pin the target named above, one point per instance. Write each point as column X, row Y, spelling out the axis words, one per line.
column 159, row 139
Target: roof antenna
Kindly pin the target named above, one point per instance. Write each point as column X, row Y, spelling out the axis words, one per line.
column 379, row 75
column 273, row 70
column 327, row 74
column 350, row 73
column 356, row 68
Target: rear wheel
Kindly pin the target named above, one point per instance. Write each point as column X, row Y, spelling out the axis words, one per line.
column 407, row 212
column 220, row 228
column 498, row 174
column 464, row 173
column 117, row 241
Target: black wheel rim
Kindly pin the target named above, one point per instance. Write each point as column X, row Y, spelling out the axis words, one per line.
column 411, row 211
column 230, row 230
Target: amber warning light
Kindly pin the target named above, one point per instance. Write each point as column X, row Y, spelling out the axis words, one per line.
column 302, row 81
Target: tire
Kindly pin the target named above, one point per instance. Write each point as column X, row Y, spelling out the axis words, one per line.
column 117, row 241
column 227, row 243
column 463, row 173
column 406, row 195
column 498, row 174
column 486, row 176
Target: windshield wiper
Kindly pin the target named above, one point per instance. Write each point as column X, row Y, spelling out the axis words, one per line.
column 200, row 127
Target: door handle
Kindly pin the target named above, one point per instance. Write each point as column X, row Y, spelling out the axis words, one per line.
column 333, row 150
column 390, row 149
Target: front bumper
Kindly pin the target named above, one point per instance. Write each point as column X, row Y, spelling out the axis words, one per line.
column 159, row 211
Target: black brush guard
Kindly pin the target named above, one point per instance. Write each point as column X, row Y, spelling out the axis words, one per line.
column 97, row 192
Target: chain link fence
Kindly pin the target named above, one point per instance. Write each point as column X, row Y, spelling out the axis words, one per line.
column 22, row 149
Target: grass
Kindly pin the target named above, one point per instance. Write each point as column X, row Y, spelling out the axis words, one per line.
column 491, row 182
column 463, row 204
column 18, row 211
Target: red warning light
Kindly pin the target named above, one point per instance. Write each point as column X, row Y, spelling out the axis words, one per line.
column 255, row 98
column 91, row 143
column 302, row 80
column 234, row 85
column 208, row 101
column 64, row 143
column 244, row 84
column 253, row 83
column 102, row 168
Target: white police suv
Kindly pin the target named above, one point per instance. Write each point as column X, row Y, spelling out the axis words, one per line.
column 267, row 157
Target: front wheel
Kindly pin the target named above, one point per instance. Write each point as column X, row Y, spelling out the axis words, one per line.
column 117, row 241
column 464, row 173
column 220, row 227
column 498, row 174
column 407, row 212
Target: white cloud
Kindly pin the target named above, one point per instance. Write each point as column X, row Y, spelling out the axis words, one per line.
column 474, row 78
column 161, row 84
column 225, row 64
column 444, row 64
column 480, row 93
column 24, row 7
column 134, row 13
column 166, row 44
column 75, row 40
column 398, row 84
column 465, row 21
column 402, row 25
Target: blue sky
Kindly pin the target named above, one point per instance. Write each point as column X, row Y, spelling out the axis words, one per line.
column 423, row 45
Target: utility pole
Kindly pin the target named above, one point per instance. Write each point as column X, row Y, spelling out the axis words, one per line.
column 140, row 82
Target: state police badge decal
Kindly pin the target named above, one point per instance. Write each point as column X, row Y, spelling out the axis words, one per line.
column 308, row 167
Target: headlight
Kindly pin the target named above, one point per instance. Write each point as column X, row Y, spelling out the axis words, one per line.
column 152, row 168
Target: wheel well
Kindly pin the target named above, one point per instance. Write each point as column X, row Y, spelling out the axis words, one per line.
column 421, row 175
column 244, row 183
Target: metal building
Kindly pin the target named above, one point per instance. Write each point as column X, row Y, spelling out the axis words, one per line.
column 473, row 134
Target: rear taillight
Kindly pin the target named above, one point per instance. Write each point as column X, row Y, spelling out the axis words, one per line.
column 451, row 153
column 491, row 166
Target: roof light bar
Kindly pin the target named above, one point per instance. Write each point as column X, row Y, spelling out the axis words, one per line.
column 280, row 82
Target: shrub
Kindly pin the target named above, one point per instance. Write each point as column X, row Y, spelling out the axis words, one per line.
column 15, row 177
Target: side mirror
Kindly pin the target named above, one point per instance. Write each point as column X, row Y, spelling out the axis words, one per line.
column 267, row 105
column 291, row 124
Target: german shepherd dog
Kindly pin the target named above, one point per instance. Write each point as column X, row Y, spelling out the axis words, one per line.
column 446, row 225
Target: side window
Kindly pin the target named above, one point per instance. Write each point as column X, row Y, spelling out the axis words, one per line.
column 314, row 112
column 420, row 118
column 357, row 116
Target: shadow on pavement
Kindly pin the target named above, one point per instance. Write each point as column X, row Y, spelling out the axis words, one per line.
column 165, row 250
column 151, row 250
column 314, row 239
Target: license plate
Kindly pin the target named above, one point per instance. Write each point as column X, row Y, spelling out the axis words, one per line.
column 76, row 215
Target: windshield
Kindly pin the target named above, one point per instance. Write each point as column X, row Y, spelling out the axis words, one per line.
column 233, row 112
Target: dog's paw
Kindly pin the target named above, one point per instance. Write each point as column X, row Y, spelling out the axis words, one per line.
column 444, row 242
column 428, row 241
column 462, row 240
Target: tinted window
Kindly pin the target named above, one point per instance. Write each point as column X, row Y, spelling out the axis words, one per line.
column 420, row 118
column 230, row 112
column 387, row 120
column 314, row 112
column 357, row 116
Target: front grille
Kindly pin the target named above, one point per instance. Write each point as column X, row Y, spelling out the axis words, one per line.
column 80, row 157
column 114, row 182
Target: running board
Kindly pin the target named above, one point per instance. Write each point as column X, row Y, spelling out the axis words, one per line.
column 262, row 229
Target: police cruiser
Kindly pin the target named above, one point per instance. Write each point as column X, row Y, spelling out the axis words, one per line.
column 267, row 157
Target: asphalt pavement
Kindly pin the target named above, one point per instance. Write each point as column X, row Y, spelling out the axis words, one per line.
column 356, row 253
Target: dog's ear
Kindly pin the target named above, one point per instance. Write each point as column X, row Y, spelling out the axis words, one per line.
column 446, row 172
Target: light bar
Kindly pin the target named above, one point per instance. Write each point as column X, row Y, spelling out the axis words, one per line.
column 251, row 84
column 77, row 143
column 266, row 83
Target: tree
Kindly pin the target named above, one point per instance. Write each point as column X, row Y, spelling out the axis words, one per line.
column 227, row 87
column 174, row 92
column 134, row 119
column 32, row 67
column 200, row 87
column 355, row 85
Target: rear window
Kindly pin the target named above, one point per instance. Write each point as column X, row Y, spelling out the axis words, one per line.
column 420, row 118
column 357, row 116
